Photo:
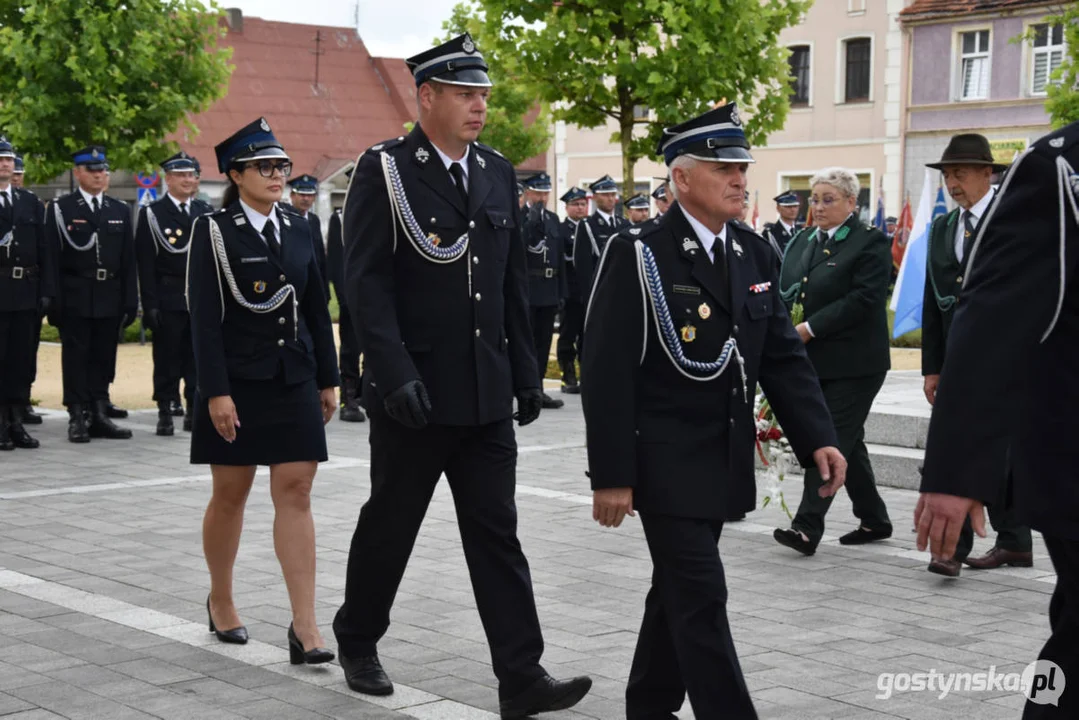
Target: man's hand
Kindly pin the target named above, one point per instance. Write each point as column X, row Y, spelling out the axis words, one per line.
column 803, row 332
column 611, row 505
column 43, row 306
column 409, row 405
column 929, row 387
column 152, row 319
column 833, row 470
column 129, row 317
column 529, row 404
column 939, row 518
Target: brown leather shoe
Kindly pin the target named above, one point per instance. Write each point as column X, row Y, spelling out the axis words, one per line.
column 947, row 568
column 999, row 556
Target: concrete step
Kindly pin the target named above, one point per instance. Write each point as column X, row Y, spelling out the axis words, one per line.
column 896, row 427
column 896, row 467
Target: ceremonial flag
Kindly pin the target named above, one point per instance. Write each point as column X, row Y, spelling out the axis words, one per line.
column 878, row 219
column 756, row 211
column 902, row 234
column 910, row 284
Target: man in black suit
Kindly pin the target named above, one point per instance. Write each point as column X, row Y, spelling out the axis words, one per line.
column 96, row 292
column 349, row 349
column 547, row 288
column 685, row 320
column 162, row 237
column 436, row 280
column 303, row 194
column 786, row 225
column 1010, row 377
column 571, row 324
column 29, row 416
column 26, row 288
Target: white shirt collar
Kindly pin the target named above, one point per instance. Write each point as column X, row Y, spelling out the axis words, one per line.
column 447, row 160
column 9, row 191
column 258, row 220
column 177, row 202
column 980, row 207
column 706, row 237
column 788, row 228
column 607, row 217
column 89, row 198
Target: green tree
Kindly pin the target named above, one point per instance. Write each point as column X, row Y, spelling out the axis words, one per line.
column 509, row 128
column 124, row 73
column 595, row 60
column 1062, row 95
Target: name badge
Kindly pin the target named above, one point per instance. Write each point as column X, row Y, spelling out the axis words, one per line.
column 686, row 290
column 244, row 261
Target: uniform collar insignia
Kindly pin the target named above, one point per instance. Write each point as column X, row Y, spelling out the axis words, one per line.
column 284, row 219
column 423, row 156
column 689, row 246
column 1056, row 143
column 239, row 218
column 737, row 248
column 376, row 148
column 481, row 162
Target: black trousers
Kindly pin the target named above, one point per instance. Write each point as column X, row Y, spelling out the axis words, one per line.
column 174, row 360
column 542, row 333
column 1011, row 533
column 480, row 464
column 17, row 351
column 569, row 332
column 849, row 400
column 88, row 357
column 685, row 642
column 349, row 352
column 1062, row 647
column 37, row 342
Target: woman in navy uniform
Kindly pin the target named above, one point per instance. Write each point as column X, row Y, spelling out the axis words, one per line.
column 264, row 357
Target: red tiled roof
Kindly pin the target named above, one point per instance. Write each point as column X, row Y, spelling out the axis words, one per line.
column 358, row 101
column 927, row 9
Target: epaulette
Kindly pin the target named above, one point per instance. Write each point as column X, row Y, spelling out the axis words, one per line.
column 747, row 229
column 289, row 209
column 638, row 231
column 488, row 148
column 386, row 144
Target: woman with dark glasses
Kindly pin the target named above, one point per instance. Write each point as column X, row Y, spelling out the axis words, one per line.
column 267, row 373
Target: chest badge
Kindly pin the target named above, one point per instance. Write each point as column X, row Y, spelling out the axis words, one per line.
column 689, row 333
column 435, row 239
column 481, row 162
column 704, row 310
column 172, row 241
column 423, row 156
column 260, row 286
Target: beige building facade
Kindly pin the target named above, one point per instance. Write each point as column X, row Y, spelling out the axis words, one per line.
column 847, row 108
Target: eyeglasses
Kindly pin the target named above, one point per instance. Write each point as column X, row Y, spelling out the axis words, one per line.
column 267, row 168
column 826, row 201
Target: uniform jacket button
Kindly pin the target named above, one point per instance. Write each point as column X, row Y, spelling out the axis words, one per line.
column 281, row 342
column 281, row 321
column 734, row 393
column 478, row 297
column 475, row 261
column 282, row 278
column 732, row 422
column 477, row 332
column 471, row 224
column 736, row 329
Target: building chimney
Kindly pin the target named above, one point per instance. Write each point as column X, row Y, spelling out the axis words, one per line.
column 236, row 19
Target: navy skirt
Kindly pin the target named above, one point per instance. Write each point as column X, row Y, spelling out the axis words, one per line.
column 279, row 423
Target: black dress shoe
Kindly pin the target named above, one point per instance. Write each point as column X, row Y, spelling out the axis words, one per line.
column 546, row 695
column 114, row 412
column 351, row 412
column 77, row 431
column 165, row 428
column 864, row 535
column 29, row 417
column 176, row 408
column 365, row 675
column 793, row 540
column 102, row 427
column 16, row 432
column 188, row 421
column 550, row 403
column 236, row 636
column 947, row 568
column 298, row 656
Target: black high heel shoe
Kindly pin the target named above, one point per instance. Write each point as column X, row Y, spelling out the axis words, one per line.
column 236, row 636
column 298, row 656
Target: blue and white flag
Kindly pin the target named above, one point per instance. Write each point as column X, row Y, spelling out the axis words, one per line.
column 910, row 283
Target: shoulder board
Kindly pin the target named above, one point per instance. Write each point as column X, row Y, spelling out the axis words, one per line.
column 289, row 210
column 744, row 229
column 222, row 211
column 386, row 144
column 489, row 149
column 639, row 231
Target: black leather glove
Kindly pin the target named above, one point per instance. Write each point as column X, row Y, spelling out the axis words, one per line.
column 409, row 405
column 152, row 319
column 53, row 314
column 129, row 317
column 43, row 306
column 529, row 404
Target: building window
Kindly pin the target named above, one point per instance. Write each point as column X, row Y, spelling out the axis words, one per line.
column 974, row 65
column 799, row 62
column 1046, row 55
column 640, row 113
column 855, row 7
column 858, row 69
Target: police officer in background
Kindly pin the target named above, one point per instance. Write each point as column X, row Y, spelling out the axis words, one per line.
column 303, row 194
column 572, row 321
column 203, row 207
column 638, row 208
column 786, row 225
column 668, row 407
column 162, row 237
column 547, row 282
column 26, row 287
column 349, row 348
column 660, row 195
column 437, row 280
column 29, row 417
column 593, row 231
column 96, row 292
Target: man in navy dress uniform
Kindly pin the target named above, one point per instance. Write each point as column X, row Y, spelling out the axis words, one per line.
column 26, row 288
column 1010, row 374
column 572, row 321
column 663, row 202
column 638, row 208
column 684, row 322
column 303, row 192
column 437, row 282
column 162, row 236
column 547, row 281
column 29, row 417
column 786, row 225
column 96, row 292
column 349, row 348
column 593, row 231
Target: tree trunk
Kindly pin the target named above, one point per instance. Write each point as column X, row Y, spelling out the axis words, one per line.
column 625, row 131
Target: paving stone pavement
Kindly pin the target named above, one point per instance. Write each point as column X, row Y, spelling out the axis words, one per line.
column 103, row 585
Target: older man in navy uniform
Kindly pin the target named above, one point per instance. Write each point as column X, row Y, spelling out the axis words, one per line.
column 684, row 322
column 437, row 282
column 1009, row 373
column 349, row 349
column 162, row 236
column 571, row 323
column 303, row 193
column 26, row 287
column 96, row 292
column 547, row 281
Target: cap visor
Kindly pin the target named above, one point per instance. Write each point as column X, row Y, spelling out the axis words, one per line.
column 471, row 77
column 727, row 154
column 268, row 153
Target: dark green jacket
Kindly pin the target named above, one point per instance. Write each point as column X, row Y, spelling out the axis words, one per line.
column 943, row 280
column 843, row 288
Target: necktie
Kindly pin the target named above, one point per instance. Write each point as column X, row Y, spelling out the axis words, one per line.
column 95, row 205
column 183, row 209
column 7, row 202
column 719, row 259
column 458, row 173
column 968, row 236
column 269, row 233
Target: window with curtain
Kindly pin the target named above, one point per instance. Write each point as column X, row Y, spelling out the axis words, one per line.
column 858, row 69
column 799, row 63
column 974, row 65
column 1046, row 55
